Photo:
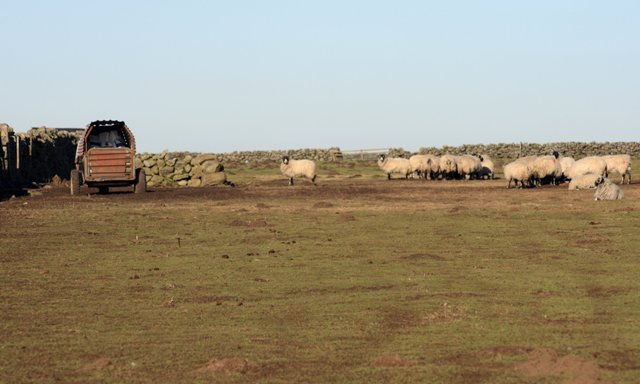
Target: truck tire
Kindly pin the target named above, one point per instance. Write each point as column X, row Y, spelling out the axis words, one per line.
column 141, row 181
column 75, row 182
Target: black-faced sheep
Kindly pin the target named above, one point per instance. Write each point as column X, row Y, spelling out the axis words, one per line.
column 394, row 165
column 606, row 190
column 298, row 168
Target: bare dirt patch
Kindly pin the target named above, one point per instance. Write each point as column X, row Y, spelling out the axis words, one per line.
column 323, row 204
column 574, row 370
column 97, row 365
column 391, row 361
column 345, row 218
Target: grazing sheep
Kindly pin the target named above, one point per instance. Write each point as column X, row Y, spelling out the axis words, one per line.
column 468, row 166
column 448, row 166
column 517, row 171
column 298, row 168
column 607, row 190
column 433, row 168
column 565, row 164
column 591, row 164
column 394, row 165
column 620, row 164
column 546, row 167
column 487, row 167
column 587, row 181
column 425, row 166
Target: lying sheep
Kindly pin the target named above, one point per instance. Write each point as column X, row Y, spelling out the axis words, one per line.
column 487, row 167
column 448, row 166
column 425, row 166
column 394, row 165
column 607, row 190
column 468, row 166
column 546, row 167
column 587, row 181
column 620, row 164
column 517, row 171
column 298, row 168
column 591, row 164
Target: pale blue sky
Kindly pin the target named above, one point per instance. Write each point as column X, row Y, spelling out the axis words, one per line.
column 220, row 76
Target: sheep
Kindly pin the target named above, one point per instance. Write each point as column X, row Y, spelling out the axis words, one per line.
column 546, row 167
column 587, row 181
column 591, row 164
column 433, row 168
column 394, row 165
column 448, row 166
column 517, row 171
column 607, row 190
column 487, row 167
column 425, row 166
column 565, row 164
column 468, row 166
column 298, row 168
column 620, row 164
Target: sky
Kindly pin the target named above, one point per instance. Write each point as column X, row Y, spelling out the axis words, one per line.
column 223, row 76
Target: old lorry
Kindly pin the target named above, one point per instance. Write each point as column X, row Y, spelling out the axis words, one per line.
column 105, row 157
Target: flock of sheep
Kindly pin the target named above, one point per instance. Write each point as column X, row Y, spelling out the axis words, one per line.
column 529, row 171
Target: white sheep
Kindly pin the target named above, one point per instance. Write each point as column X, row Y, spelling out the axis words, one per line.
column 620, row 164
column 591, row 164
column 547, row 167
column 394, row 165
column 587, row 181
column 607, row 190
column 565, row 164
column 517, row 171
column 468, row 166
column 298, row 168
column 448, row 166
column 487, row 167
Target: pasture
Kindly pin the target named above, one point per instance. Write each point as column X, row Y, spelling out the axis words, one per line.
column 357, row 280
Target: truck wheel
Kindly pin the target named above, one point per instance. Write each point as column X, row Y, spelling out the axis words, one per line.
column 141, row 181
column 103, row 190
column 75, row 182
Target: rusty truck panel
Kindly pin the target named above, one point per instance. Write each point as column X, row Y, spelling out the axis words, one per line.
column 105, row 157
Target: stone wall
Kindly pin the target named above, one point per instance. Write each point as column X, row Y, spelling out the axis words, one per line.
column 35, row 156
column 514, row 150
column 181, row 169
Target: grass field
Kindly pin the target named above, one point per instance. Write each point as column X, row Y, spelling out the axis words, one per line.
column 355, row 280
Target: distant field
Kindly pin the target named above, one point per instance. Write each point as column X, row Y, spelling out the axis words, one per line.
column 356, row 280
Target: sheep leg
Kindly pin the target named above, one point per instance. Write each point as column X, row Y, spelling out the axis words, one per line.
column 313, row 180
column 291, row 181
column 388, row 176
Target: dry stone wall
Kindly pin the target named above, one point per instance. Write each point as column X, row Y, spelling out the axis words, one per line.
column 515, row 150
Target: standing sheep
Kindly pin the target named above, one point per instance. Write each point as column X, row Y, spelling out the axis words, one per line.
column 547, row 167
column 394, row 165
column 468, row 166
column 487, row 167
column 607, row 190
column 565, row 164
column 448, row 166
column 620, row 164
column 298, row 168
column 418, row 165
column 590, row 164
column 517, row 171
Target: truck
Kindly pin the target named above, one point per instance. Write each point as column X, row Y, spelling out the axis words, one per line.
column 105, row 158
